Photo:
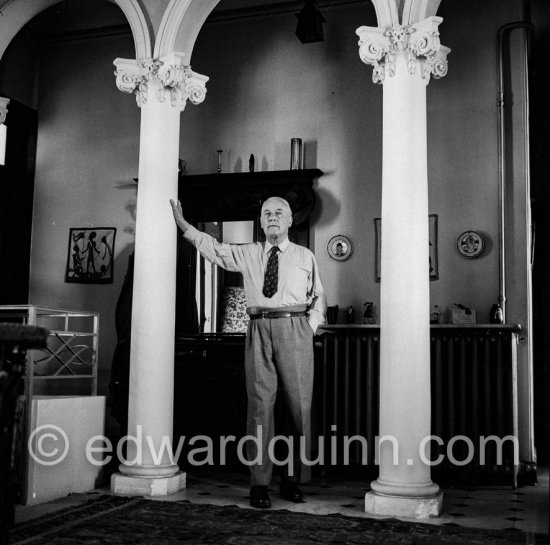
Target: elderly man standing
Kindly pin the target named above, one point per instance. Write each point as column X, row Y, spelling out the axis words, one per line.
column 286, row 303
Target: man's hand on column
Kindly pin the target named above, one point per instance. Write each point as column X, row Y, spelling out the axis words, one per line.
column 181, row 222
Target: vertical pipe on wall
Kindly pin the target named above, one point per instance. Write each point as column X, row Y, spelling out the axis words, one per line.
column 528, row 27
column 520, row 267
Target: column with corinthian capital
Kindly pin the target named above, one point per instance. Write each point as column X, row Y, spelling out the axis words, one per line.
column 162, row 88
column 404, row 58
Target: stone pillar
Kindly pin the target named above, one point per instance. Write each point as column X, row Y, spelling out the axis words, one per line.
column 403, row 59
column 162, row 87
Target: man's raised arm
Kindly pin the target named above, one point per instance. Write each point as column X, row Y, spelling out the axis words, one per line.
column 216, row 252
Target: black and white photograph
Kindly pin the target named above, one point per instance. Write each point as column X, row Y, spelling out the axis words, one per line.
column 274, row 272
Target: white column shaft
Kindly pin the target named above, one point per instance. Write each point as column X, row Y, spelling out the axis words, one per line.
column 153, row 307
column 405, row 332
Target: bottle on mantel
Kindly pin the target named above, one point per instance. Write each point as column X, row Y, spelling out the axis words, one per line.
column 368, row 314
column 495, row 315
column 435, row 315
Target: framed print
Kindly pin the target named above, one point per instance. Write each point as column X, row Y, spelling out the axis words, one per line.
column 434, row 261
column 90, row 255
column 340, row 248
column 434, row 264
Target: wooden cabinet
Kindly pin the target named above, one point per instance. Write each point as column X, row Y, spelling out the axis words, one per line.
column 209, row 392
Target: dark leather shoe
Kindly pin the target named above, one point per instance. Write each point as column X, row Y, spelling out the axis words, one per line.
column 289, row 491
column 259, row 498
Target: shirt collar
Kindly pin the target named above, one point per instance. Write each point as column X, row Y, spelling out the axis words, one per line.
column 282, row 246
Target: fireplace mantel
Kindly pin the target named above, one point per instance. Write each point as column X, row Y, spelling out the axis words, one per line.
column 238, row 196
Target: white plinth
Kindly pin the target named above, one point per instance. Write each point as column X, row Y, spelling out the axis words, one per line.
column 61, row 427
column 417, row 508
column 148, row 486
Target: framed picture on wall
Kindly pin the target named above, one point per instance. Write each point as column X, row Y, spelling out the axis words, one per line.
column 90, row 255
column 434, row 264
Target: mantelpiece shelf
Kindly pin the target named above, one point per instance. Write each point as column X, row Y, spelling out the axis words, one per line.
column 268, row 177
column 237, row 196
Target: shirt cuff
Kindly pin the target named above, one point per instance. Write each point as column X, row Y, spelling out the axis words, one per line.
column 314, row 322
column 191, row 233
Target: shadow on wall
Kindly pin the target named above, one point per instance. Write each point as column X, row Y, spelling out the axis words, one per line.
column 131, row 206
column 117, row 399
column 327, row 208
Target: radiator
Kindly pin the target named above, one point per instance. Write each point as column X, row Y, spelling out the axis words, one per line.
column 346, row 392
column 474, row 394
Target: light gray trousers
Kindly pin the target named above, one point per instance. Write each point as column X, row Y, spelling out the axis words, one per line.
column 279, row 351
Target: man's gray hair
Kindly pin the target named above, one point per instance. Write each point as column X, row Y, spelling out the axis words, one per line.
column 284, row 201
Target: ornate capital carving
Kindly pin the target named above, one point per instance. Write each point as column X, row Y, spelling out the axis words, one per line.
column 3, row 109
column 374, row 49
column 170, row 78
column 419, row 42
column 131, row 77
column 438, row 62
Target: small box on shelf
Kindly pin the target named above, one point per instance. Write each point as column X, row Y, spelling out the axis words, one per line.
column 459, row 314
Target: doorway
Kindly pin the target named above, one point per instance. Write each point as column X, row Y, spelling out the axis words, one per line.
column 16, row 203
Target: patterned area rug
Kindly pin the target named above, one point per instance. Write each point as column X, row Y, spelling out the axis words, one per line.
column 137, row 521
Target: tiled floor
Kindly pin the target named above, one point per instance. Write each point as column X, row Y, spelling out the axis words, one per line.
column 498, row 507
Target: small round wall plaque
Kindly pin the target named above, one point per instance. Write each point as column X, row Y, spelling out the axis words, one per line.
column 340, row 248
column 470, row 244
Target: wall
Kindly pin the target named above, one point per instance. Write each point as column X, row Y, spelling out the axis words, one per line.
column 87, row 156
column 463, row 150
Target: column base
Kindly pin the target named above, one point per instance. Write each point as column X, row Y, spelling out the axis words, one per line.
column 400, row 506
column 147, row 486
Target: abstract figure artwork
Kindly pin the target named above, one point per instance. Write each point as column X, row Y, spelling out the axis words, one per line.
column 90, row 255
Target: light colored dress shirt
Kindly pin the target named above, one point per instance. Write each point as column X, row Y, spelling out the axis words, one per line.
column 299, row 283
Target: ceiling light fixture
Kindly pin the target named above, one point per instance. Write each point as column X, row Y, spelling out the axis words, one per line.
column 310, row 23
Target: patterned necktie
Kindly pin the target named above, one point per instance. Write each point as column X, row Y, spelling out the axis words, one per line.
column 271, row 277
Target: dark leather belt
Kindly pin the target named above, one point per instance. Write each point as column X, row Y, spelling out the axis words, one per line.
column 268, row 314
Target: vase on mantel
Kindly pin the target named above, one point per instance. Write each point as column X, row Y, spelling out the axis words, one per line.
column 495, row 315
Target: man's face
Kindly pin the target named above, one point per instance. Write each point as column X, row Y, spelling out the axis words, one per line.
column 276, row 218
